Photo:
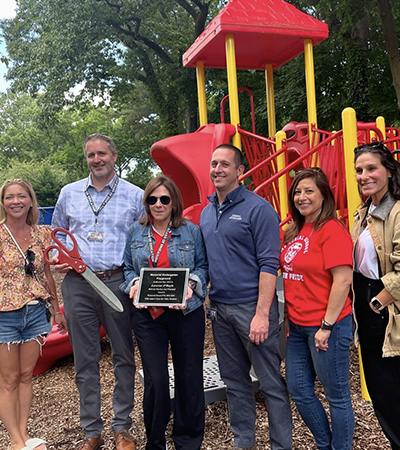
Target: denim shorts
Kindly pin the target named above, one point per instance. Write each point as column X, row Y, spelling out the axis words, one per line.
column 24, row 324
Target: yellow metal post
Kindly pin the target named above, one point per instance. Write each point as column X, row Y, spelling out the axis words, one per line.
column 380, row 124
column 201, row 93
column 310, row 86
column 269, row 81
column 232, row 87
column 350, row 142
column 283, row 190
column 364, row 390
column 349, row 122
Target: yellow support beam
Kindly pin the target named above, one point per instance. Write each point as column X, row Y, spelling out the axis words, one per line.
column 283, row 189
column 380, row 124
column 310, row 87
column 201, row 93
column 269, row 81
column 350, row 142
column 232, row 87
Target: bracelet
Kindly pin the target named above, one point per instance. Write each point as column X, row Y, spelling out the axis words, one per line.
column 326, row 326
column 57, row 312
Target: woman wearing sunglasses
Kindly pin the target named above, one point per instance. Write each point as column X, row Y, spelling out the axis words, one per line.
column 376, row 285
column 26, row 284
column 164, row 239
column 316, row 262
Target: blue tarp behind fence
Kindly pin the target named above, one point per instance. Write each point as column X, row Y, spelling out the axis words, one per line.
column 46, row 213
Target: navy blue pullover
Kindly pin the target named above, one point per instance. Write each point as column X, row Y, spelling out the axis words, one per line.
column 241, row 241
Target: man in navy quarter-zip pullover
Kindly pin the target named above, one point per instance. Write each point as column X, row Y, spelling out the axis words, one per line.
column 241, row 235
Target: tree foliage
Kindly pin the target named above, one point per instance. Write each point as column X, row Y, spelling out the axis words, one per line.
column 351, row 66
column 51, row 154
column 106, row 47
column 128, row 54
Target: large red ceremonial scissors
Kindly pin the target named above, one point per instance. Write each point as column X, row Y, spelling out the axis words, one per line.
column 74, row 260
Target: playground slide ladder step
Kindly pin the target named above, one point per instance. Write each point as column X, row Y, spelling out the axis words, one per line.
column 214, row 387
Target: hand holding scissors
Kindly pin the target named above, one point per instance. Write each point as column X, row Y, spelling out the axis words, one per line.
column 73, row 259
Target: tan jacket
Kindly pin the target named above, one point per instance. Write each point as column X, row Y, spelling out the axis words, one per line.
column 384, row 226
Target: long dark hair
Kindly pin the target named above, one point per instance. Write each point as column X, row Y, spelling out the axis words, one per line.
column 176, row 199
column 328, row 210
column 387, row 161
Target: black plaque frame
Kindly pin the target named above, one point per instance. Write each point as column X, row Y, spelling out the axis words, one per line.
column 162, row 287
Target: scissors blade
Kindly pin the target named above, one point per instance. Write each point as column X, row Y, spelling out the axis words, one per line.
column 105, row 293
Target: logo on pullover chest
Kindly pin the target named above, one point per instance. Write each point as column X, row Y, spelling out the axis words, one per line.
column 235, row 217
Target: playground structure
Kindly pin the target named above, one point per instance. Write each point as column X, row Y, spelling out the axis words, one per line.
column 258, row 35
column 264, row 35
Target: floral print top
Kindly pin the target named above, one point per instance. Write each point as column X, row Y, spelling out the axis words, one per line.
column 16, row 287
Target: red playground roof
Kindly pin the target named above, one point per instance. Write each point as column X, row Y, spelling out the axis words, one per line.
column 265, row 31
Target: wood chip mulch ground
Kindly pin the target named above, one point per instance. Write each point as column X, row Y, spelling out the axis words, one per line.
column 55, row 411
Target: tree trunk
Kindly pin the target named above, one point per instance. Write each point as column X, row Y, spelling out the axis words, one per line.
column 391, row 42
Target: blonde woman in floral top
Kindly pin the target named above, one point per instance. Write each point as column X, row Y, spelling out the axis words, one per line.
column 26, row 285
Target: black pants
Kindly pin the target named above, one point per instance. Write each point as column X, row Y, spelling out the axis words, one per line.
column 382, row 375
column 185, row 334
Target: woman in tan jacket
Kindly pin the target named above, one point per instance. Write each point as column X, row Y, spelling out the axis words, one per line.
column 376, row 235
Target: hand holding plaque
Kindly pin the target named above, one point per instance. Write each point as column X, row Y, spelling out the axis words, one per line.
column 162, row 287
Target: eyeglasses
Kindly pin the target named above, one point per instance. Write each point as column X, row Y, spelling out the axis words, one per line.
column 30, row 258
column 152, row 200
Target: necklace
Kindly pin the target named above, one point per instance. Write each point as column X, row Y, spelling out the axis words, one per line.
column 22, row 236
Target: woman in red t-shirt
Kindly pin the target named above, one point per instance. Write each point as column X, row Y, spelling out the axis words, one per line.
column 316, row 262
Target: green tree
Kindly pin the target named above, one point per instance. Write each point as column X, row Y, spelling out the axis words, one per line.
column 46, row 178
column 351, row 66
column 25, row 139
column 391, row 42
column 106, row 47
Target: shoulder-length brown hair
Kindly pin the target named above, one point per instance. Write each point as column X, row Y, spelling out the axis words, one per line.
column 328, row 210
column 33, row 214
column 176, row 199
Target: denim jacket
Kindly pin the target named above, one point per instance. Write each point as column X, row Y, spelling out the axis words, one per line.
column 384, row 226
column 185, row 249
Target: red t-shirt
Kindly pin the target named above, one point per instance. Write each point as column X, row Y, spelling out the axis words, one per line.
column 305, row 264
column 163, row 260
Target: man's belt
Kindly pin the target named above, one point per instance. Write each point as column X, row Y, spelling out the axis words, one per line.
column 108, row 273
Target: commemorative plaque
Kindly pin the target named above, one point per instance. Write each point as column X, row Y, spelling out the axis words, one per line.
column 162, row 287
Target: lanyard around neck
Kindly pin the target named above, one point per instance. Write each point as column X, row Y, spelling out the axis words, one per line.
column 96, row 212
column 154, row 258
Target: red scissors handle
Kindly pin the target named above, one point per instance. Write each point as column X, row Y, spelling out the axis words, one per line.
column 65, row 255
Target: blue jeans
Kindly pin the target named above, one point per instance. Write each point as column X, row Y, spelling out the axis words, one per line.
column 24, row 324
column 236, row 354
column 304, row 364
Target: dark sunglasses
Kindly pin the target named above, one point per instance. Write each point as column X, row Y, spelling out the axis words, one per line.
column 378, row 145
column 30, row 258
column 314, row 170
column 152, row 199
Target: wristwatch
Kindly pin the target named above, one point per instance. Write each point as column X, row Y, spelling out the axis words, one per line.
column 192, row 284
column 326, row 326
column 376, row 304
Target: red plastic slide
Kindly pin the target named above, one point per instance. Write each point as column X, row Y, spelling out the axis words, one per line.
column 57, row 346
column 186, row 159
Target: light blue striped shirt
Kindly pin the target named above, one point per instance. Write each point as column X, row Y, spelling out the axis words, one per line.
column 74, row 213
